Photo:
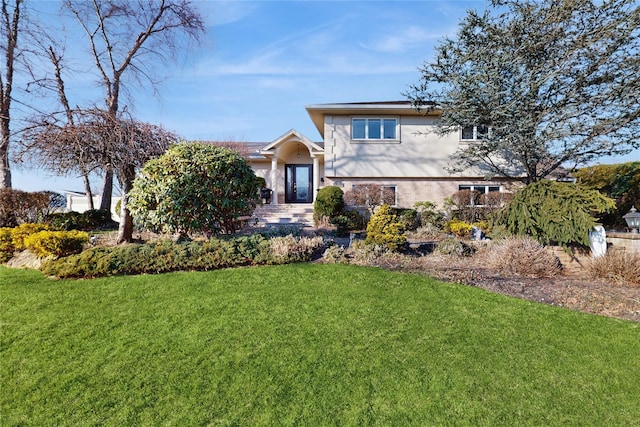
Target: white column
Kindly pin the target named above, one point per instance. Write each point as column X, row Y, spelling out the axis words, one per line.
column 316, row 176
column 274, row 180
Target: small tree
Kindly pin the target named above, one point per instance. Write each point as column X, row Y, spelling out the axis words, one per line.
column 554, row 213
column 194, row 187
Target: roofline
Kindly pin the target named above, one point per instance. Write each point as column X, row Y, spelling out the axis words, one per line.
column 318, row 111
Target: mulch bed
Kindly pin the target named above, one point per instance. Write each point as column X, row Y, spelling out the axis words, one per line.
column 571, row 290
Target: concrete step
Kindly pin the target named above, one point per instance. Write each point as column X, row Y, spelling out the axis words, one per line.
column 300, row 214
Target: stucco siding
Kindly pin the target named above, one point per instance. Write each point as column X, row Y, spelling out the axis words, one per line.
column 418, row 152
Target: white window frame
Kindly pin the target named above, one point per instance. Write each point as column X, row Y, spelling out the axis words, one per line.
column 367, row 136
column 482, row 189
column 475, row 136
column 394, row 187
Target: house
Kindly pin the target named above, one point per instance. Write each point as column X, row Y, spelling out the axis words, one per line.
column 384, row 143
column 77, row 202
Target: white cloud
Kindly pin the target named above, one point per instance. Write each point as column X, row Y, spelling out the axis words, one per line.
column 408, row 38
column 221, row 12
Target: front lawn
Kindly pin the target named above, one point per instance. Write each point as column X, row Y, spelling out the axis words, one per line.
column 304, row 344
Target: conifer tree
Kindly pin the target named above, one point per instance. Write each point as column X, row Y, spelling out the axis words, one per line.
column 542, row 83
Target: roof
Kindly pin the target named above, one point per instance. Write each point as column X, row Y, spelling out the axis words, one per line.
column 317, row 112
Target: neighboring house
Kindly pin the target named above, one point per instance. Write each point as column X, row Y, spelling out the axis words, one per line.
column 384, row 143
column 77, row 202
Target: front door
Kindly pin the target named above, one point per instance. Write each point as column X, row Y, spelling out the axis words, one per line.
column 298, row 184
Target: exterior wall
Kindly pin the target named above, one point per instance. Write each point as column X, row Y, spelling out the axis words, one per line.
column 626, row 241
column 418, row 152
column 409, row 191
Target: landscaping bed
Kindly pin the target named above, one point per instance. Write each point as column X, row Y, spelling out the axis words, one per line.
column 572, row 289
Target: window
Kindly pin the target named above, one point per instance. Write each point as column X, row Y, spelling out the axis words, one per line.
column 374, row 129
column 372, row 195
column 474, row 133
column 482, row 189
column 484, row 199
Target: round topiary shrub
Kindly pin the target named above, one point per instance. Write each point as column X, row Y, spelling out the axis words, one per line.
column 329, row 203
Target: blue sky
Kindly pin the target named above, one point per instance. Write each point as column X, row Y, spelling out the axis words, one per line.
column 263, row 61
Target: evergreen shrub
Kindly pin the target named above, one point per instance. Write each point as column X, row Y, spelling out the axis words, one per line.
column 408, row 217
column 329, row 203
column 168, row 255
column 21, row 232
column 385, row 229
column 6, row 244
column 458, row 227
column 348, row 221
column 553, row 213
column 56, row 243
column 92, row 219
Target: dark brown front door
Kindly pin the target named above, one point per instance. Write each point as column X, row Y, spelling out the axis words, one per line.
column 298, row 183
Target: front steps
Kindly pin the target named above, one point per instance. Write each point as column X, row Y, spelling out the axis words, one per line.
column 286, row 214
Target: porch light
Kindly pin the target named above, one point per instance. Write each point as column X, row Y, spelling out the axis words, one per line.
column 633, row 219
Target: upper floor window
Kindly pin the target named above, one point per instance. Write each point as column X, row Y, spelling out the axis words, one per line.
column 474, row 133
column 375, row 129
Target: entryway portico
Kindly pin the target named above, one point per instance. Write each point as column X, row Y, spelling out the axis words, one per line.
column 296, row 168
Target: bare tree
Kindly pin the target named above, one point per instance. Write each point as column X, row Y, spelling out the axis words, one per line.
column 56, row 60
column 90, row 139
column 10, row 22
column 128, row 39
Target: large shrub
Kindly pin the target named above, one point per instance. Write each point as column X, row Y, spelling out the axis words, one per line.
column 385, row 229
column 554, row 213
column 329, row 203
column 194, row 187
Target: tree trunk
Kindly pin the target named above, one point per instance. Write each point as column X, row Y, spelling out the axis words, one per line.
column 107, row 190
column 125, row 230
column 87, row 190
column 5, row 170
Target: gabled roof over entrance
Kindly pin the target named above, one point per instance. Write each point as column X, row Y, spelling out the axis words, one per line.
column 292, row 136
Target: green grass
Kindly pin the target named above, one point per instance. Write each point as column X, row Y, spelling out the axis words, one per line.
column 304, row 345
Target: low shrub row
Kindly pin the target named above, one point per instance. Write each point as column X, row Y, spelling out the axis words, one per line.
column 167, row 255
